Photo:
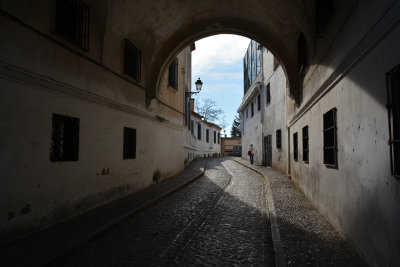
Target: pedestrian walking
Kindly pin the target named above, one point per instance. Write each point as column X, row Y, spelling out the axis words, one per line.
column 251, row 154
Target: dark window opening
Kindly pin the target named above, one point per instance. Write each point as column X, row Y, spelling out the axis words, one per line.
column 173, row 74
column 276, row 63
column 278, row 139
column 64, row 138
column 323, row 12
column 132, row 60
column 192, row 126
column 259, row 102
column 393, row 84
column 72, row 22
column 305, row 144
column 330, row 138
column 295, row 148
column 268, row 94
column 301, row 55
column 207, row 135
column 215, row 137
column 129, row 143
column 252, row 109
column 219, row 138
column 199, row 131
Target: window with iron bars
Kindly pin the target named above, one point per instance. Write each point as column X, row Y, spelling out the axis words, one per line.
column 330, row 138
column 192, row 126
column 199, row 131
column 393, row 105
column 64, row 138
column 295, row 148
column 207, row 135
column 215, row 137
column 219, row 138
column 305, row 144
column 173, row 74
column 252, row 109
column 268, row 94
column 72, row 22
column 132, row 61
column 278, row 139
column 129, row 143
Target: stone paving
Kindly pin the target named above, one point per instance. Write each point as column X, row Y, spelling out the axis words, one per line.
column 218, row 220
column 307, row 238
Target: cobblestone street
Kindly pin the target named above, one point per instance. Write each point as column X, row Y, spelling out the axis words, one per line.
column 221, row 219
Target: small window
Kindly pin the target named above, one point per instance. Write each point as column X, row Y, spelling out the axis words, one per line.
column 301, row 55
column 192, row 126
column 252, row 109
column 247, row 113
column 173, row 74
column 323, row 11
column 305, row 144
column 295, row 148
column 132, row 60
column 278, row 139
column 215, row 137
column 276, row 62
column 207, row 135
column 129, row 143
column 72, row 22
column 64, row 138
column 330, row 138
column 393, row 84
column 258, row 102
column 268, row 94
column 219, row 138
column 199, row 131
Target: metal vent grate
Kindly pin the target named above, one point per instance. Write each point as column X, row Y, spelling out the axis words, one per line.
column 65, row 138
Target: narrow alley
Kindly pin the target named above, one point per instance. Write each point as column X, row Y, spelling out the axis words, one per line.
column 221, row 218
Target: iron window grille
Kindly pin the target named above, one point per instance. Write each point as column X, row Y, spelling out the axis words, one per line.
column 278, row 139
column 207, row 135
column 301, row 55
column 192, row 126
column 219, row 138
column 199, row 131
column 295, row 148
column 72, row 22
column 393, row 105
column 64, row 138
column 330, row 138
column 173, row 74
column 252, row 109
column 268, row 94
column 129, row 143
column 305, row 144
column 132, row 61
column 323, row 12
column 258, row 102
column 215, row 137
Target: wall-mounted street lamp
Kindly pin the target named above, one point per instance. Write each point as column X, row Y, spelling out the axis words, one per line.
column 198, row 84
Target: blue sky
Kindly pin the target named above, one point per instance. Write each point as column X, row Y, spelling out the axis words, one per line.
column 218, row 61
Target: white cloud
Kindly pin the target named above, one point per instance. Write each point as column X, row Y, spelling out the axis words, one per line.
column 216, row 50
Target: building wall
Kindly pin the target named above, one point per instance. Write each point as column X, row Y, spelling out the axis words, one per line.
column 274, row 116
column 227, row 145
column 195, row 148
column 360, row 197
column 42, row 74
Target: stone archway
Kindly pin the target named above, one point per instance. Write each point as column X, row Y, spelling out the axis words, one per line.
column 169, row 26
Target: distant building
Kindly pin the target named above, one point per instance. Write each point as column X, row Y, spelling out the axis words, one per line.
column 202, row 138
column 231, row 146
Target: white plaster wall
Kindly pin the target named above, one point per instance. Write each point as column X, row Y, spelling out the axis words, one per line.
column 275, row 112
column 195, row 148
column 39, row 77
column 360, row 198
